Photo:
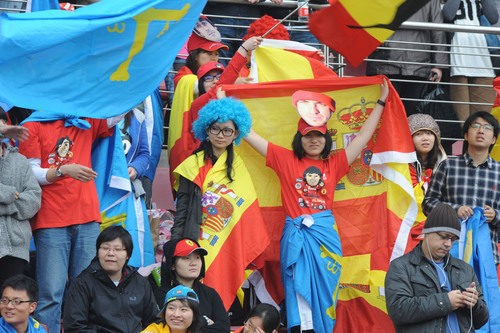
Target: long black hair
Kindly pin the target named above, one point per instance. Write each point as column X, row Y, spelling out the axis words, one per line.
column 206, row 148
column 195, row 307
column 432, row 156
column 299, row 151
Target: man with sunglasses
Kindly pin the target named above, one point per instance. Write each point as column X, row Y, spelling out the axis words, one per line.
column 473, row 179
column 19, row 300
column 428, row 290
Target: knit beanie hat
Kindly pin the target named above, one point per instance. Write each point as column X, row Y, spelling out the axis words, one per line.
column 422, row 121
column 442, row 218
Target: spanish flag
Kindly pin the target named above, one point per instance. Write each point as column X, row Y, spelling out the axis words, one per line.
column 356, row 28
column 495, row 111
column 374, row 205
column 180, row 140
column 232, row 224
column 277, row 60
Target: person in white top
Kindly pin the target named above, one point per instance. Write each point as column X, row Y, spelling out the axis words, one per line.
column 470, row 59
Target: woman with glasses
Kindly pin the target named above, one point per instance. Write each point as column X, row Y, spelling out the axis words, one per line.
column 263, row 318
column 109, row 295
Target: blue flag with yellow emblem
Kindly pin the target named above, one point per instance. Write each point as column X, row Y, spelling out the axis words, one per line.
column 118, row 204
column 98, row 61
column 475, row 249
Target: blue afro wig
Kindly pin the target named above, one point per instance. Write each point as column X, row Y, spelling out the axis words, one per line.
column 222, row 110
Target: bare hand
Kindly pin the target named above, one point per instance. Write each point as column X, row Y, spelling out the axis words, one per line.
column 78, row 172
column 278, row 2
column 470, row 295
column 132, row 173
column 489, row 213
column 456, row 299
column 16, row 196
column 321, row 54
column 220, row 93
column 384, row 90
column 253, row 1
column 252, row 43
column 243, row 80
column 14, row 132
column 464, row 212
column 436, row 75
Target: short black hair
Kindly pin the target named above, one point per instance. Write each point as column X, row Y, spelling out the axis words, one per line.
column 299, row 151
column 111, row 233
column 21, row 282
column 489, row 119
column 270, row 316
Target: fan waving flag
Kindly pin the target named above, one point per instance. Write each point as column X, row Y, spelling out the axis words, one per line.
column 98, row 61
column 356, row 28
column 374, row 204
column 495, row 111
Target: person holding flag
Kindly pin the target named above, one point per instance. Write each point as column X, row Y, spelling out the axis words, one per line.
column 308, row 175
column 216, row 199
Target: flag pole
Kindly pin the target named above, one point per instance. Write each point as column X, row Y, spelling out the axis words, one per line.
column 283, row 19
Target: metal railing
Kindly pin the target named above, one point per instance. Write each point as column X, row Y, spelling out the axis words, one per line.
column 336, row 61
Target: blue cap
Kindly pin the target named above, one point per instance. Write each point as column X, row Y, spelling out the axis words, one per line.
column 179, row 292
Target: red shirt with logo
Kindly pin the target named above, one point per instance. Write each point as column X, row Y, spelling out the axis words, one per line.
column 307, row 185
column 66, row 201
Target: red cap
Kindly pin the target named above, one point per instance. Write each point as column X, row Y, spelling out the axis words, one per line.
column 197, row 42
column 313, row 96
column 305, row 128
column 186, row 246
column 204, row 69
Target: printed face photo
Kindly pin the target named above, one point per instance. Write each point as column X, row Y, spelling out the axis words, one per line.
column 313, row 112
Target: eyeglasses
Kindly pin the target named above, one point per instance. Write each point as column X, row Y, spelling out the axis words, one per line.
column 485, row 126
column 110, row 249
column 210, row 78
column 225, row 131
column 453, row 239
column 15, row 301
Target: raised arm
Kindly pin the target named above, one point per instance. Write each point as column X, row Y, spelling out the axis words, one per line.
column 365, row 133
column 257, row 142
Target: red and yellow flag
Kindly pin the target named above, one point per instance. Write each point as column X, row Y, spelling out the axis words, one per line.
column 374, row 203
column 232, row 224
column 356, row 28
column 495, row 111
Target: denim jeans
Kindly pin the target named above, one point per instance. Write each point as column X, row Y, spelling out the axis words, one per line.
column 61, row 255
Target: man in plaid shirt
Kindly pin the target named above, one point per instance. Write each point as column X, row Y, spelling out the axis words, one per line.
column 473, row 179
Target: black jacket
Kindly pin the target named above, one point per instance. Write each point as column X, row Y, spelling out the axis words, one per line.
column 95, row 304
column 211, row 305
column 188, row 215
column 415, row 301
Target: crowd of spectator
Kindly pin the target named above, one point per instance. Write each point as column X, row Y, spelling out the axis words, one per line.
column 84, row 282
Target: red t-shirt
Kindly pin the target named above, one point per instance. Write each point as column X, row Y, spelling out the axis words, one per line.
column 307, row 185
column 66, row 201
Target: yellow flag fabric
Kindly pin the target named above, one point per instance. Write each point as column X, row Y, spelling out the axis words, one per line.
column 374, row 204
column 232, row 230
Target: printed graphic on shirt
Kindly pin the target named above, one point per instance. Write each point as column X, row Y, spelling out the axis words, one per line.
column 62, row 153
column 311, row 190
column 217, row 206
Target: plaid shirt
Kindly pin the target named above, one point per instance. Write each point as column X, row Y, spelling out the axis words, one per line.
column 458, row 182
